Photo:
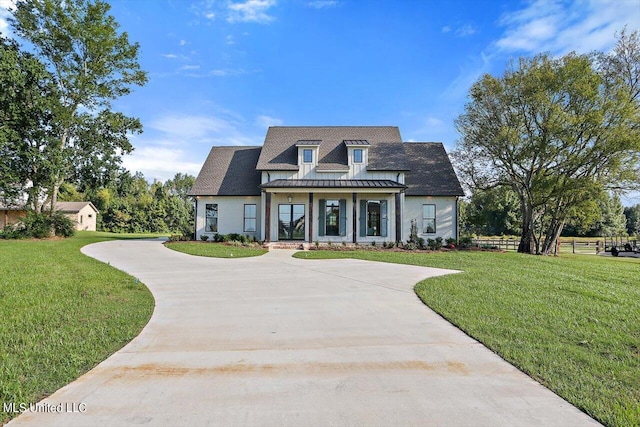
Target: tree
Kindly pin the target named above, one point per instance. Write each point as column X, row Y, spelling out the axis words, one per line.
column 632, row 213
column 493, row 212
column 93, row 64
column 555, row 131
column 28, row 102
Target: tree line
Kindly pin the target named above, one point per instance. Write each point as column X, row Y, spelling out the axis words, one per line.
column 496, row 212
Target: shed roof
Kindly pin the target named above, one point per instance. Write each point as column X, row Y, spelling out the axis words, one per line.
column 73, row 207
column 332, row 183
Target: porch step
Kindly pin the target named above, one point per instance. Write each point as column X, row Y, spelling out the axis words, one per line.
column 293, row 245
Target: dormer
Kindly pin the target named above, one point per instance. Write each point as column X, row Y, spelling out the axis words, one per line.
column 308, row 152
column 357, row 151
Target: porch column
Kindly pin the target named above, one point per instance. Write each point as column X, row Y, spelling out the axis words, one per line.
column 354, row 218
column 267, row 218
column 398, row 219
column 310, row 217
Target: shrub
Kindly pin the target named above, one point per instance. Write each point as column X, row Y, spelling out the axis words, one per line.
column 438, row 244
column 37, row 225
column 391, row 245
column 13, row 231
column 344, row 243
column 413, row 232
column 410, row 246
column 373, row 243
column 466, row 242
column 62, row 225
column 204, row 238
column 420, row 243
column 451, row 241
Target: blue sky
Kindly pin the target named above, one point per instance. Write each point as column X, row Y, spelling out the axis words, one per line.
column 221, row 72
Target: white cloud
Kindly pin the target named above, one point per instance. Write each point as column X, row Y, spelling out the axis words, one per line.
column 190, row 67
column 161, row 163
column 465, row 31
column 230, row 40
column 266, row 121
column 446, row 29
column 210, row 15
column 557, row 27
column 182, row 42
column 251, row 11
column 170, row 55
column 323, row 4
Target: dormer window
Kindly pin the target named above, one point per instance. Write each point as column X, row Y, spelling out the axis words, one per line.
column 307, row 155
column 357, row 155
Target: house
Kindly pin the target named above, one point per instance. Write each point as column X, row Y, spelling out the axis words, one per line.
column 83, row 214
column 11, row 214
column 328, row 184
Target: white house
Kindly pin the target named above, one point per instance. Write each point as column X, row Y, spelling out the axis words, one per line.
column 340, row 184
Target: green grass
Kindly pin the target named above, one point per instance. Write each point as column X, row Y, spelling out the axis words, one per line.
column 570, row 322
column 215, row 250
column 61, row 314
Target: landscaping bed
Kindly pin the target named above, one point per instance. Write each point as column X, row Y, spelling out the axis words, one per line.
column 218, row 250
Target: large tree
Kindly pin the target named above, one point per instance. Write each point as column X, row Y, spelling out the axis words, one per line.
column 28, row 147
column 557, row 131
column 93, row 64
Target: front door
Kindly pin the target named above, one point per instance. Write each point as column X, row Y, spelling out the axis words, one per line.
column 291, row 222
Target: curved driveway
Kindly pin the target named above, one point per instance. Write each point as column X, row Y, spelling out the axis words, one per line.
column 274, row 340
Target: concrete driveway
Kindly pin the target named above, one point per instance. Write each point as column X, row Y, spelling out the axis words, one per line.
column 276, row 341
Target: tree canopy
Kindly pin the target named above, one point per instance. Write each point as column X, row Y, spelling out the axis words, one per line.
column 557, row 132
column 89, row 63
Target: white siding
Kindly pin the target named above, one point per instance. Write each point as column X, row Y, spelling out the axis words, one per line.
column 445, row 216
column 230, row 214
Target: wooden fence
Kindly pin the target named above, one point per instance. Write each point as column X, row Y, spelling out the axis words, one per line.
column 576, row 246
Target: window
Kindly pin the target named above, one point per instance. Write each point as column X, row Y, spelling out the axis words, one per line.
column 211, row 218
column 428, row 218
column 307, row 155
column 373, row 218
column 332, row 217
column 80, row 219
column 357, row 155
column 250, row 218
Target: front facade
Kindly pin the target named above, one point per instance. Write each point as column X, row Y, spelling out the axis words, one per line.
column 328, row 184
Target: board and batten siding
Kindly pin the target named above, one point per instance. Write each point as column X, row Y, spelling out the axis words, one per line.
column 230, row 214
column 445, row 216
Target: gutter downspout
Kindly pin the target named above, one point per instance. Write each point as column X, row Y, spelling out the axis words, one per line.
column 195, row 219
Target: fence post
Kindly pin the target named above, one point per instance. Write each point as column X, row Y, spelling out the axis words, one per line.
column 597, row 247
column 573, row 245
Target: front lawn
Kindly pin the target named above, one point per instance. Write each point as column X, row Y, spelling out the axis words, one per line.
column 62, row 314
column 216, row 250
column 570, row 322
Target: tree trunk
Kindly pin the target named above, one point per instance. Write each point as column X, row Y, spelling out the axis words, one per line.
column 527, row 239
column 552, row 236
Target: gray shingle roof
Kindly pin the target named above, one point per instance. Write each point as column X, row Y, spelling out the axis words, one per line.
column 332, row 183
column 431, row 172
column 280, row 152
column 229, row 171
column 71, row 207
column 388, row 156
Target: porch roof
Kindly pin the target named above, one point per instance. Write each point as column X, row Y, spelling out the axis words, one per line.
column 377, row 184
